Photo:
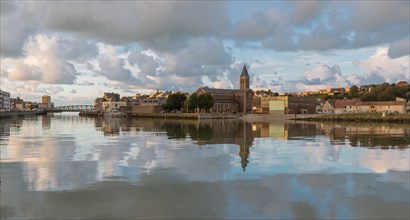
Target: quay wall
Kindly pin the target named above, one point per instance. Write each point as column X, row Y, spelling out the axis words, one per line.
column 11, row 114
column 275, row 117
column 172, row 115
column 89, row 113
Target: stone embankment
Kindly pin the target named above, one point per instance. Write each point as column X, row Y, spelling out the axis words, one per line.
column 275, row 117
column 172, row 115
column 90, row 113
column 11, row 114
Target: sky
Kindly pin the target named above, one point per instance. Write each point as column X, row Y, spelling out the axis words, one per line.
column 77, row 50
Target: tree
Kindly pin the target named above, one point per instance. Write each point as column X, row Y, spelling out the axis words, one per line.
column 193, row 101
column 175, row 101
column 205, row 101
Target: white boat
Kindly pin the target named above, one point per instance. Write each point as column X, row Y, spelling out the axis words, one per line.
column 115, row 113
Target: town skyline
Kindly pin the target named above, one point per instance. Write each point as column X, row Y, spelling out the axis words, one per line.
column 288, row 46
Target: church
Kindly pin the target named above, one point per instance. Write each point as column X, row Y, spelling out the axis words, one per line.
column 232, row 100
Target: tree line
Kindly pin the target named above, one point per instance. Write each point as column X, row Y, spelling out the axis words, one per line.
column 382, row 92
column 180, row 102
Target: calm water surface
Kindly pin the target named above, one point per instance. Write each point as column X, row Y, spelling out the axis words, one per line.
column 64, row 166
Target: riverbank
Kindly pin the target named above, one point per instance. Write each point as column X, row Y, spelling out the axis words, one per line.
column 275, row 117
column 373, row 117
column 199, row 116
column 11, row 114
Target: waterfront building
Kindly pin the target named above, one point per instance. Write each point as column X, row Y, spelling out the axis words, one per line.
column 46, row 102
column 402, row 84
column 231, row 100
column 288, row 105
column 111, row 97
column 4, row 100
column 329, row 107
column 98, row 104
column 341, row 105
column 377, row 107
column 110, row 105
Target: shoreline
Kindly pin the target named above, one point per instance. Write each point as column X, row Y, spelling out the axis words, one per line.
column 198, row 116
column 12, row 114
column 374, row 117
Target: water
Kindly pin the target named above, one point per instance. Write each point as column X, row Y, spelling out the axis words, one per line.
column 64, row 166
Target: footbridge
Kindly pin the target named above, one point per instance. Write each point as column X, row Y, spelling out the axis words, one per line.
column 73, row 108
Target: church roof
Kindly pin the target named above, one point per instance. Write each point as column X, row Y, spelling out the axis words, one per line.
column 244, row 71
column 219, row 91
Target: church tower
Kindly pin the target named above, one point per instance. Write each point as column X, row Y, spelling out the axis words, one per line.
column 244, row 78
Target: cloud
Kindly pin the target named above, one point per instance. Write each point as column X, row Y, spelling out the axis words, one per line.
column 305, row 11
column 16, row 27
column 320, row 77
column 112, row 66
column 128, row 22
column 42, row 62
column 380, row 67
column 85, row 83
column 146, row 63
column 316, row 26
column 50, row 90
column 399, row 48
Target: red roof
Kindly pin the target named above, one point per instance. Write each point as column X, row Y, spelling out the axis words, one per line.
column 345, row 102
column 378, row 103
column 402, row 83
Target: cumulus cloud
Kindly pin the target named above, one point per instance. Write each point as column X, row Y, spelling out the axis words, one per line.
column 15, row 28
column 50, row 90
column 112, row 66
column 128, row 22
column 42, row 61
column 320, row 77
column 146, row 63
column 380, row 67
column 85, row 83
column 312, row 25
column 399, row 48
column 305, row 11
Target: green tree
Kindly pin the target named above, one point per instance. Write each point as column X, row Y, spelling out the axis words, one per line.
column 175, row 101
column 205, row 101
column 193, row 101
column 354, row 92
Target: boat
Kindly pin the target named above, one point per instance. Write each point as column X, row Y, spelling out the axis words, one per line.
column 114, row 113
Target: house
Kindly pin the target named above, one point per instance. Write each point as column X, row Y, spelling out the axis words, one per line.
column 328, row 107
column 402, row 84
column 111, row 97
column 4, row 100
column 110, row 105
column 344, row 106
column 378, row 107
column 231, row 100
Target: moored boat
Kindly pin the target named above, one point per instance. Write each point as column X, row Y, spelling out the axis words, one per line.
column 115, row 113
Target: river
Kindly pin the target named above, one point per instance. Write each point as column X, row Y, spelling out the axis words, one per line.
column 64, row 166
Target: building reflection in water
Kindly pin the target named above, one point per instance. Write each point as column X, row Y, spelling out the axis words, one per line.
column 62, row 162
column 46, row 120
column 381, row 135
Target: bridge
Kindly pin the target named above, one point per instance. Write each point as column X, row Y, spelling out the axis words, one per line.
column 72, row 108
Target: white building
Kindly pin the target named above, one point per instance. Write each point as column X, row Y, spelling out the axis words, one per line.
column 4, row 100
column 107, row 106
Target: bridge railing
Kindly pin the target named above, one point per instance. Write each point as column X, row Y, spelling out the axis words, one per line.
column 74, row 108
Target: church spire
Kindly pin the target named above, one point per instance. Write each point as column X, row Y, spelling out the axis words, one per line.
column 244, row 78
column 244, row 71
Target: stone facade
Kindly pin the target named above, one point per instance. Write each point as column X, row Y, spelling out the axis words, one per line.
column 231, row 100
